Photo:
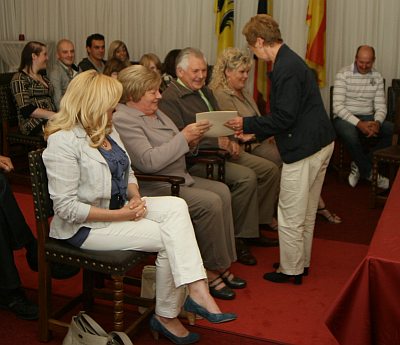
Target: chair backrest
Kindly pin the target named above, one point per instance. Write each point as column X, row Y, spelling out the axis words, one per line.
column 396, row 121
column 41, row 198
column 8, row 110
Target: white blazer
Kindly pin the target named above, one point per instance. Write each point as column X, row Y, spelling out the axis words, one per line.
column 79, row 177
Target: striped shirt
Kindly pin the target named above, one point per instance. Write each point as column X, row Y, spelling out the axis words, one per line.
column 357, row 94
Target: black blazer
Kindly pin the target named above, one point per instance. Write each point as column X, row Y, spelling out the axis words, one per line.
column 298, row 118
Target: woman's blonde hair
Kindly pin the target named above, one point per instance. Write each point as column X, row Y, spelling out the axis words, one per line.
column 230, row 59
column 114, row 46
column 148, row 58
column 136, row 81
column 88, row 98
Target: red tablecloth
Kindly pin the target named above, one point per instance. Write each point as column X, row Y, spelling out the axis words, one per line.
column 367, row 311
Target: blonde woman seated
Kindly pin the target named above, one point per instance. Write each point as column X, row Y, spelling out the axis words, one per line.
column 151, row 61
column 156, row 146
column 98, row 205
column 228, row 83
column 118, row 50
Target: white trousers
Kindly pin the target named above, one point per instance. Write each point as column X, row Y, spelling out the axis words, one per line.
column 301, row 185
column 167, row 229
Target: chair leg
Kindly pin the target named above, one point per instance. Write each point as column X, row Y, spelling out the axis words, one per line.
column 374, row 182
column 44, row 300
column 88, row 286
column 118, row 292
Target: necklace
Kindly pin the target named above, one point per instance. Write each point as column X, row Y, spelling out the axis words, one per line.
column 104, row 143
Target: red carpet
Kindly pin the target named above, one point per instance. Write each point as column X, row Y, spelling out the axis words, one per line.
column 268, row 313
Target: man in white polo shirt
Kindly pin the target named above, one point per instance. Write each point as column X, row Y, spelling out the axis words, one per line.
column 359, row 109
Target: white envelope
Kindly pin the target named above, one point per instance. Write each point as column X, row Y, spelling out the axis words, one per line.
column 217, row 120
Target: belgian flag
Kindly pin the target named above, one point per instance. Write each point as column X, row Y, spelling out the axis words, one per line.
column 224, row 27
column 316, row 21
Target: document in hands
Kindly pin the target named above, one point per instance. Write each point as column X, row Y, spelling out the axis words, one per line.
column 217, row 120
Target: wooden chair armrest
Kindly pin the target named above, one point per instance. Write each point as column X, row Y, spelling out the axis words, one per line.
column 175, row 181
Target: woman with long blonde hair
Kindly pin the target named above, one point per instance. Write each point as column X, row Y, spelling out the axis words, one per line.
column 98, row 205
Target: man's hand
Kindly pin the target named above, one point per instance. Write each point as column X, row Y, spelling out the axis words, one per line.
column 6, row 164
column 368, row 128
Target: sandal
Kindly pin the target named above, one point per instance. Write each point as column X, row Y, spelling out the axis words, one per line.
column 328, row 216
column 223, row 293
column 233, row 282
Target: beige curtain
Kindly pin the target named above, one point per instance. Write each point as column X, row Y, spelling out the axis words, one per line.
column 160, row 25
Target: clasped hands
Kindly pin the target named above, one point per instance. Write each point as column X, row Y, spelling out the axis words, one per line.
column 136, row 208
column 369, row 128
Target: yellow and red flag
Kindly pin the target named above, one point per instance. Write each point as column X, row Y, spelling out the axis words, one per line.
column 224, row 25
column 262, row 83
column 316, row 21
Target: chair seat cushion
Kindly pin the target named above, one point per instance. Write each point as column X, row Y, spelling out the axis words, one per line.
column 110, row 261
column 389, row 153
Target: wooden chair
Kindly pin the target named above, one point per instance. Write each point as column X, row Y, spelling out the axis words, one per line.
column 389, row 155
column 211, row 158
column 113, row 263
column 14, row 143
column 338, row 159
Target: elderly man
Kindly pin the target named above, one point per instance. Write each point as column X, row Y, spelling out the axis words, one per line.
column 359, row 114
column 64, row 69
column 95, row 47
column 253, row 181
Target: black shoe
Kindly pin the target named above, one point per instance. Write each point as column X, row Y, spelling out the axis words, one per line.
column 222, row 293
column 243, row 253
column 16, row 302
column 262, row 242
column 234, row 282
column 276, row 277
column 305, row 272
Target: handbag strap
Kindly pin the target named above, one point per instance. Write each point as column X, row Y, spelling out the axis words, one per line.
column 89, row 325
column 122, row 338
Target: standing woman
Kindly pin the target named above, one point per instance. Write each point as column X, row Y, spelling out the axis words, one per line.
column 98, row 206
column 228, row 84
column 304, row 136
column 32, row 89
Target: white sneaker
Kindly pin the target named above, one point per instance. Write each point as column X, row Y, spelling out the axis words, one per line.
column 383, row 182
column 354, row 175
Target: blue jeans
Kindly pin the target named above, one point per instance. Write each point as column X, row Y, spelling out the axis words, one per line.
column 359, row 146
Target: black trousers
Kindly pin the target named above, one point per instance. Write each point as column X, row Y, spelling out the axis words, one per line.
column 14, row 234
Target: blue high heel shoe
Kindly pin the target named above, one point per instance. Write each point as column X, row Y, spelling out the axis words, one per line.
column 192, row 307
column 156, row 327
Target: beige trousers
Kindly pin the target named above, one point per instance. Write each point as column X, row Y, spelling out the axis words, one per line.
column 301, row 184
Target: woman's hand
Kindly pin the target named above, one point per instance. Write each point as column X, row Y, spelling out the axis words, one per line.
column 229, row 145
column 136, row 208
column 195, row 131
column 236, row 124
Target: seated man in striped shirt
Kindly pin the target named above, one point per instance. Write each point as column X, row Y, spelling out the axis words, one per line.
column 359, row 109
